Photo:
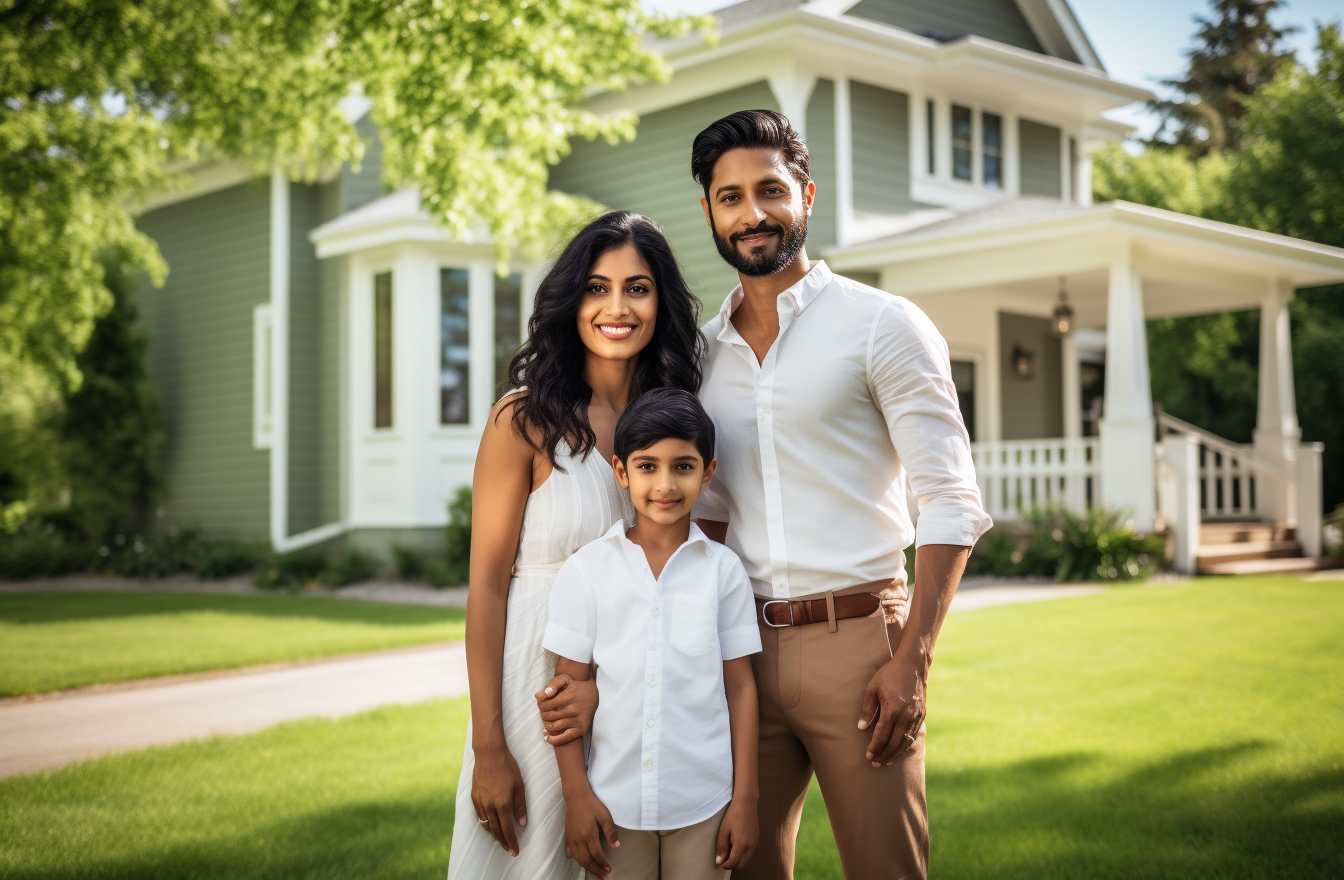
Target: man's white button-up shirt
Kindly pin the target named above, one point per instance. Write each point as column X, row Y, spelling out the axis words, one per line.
column 661, row 753
column 818, row 442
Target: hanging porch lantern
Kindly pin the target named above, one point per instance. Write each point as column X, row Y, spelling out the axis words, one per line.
column 1063, row 313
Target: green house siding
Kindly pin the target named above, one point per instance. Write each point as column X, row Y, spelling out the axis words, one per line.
column 944, row 20
column 1040, row 169
column 358, row 188
column 306, row 375
column 821, row 226
column 652, row 175
column 881, row 126
column 218, row 251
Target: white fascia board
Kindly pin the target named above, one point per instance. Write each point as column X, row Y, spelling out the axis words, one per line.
column 203, row 178
column 1304, row 263
column 1002, row 58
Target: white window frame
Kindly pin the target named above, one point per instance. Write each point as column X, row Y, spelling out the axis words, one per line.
column 261, row 376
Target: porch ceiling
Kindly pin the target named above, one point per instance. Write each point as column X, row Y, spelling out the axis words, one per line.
column 1021, row 248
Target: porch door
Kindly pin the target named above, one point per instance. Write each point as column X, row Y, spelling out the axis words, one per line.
column 1032, row 378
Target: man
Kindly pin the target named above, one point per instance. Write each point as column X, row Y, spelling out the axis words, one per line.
column 829, row 398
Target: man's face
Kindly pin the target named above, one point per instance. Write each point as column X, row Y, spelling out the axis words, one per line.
column 757, row 212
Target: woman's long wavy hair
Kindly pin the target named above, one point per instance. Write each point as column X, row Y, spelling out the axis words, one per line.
column 550, row 364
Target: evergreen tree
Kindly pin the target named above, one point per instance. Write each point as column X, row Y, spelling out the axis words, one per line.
column 1234, row 54
column 110, row 430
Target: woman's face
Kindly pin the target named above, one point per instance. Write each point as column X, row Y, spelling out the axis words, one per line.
column 619, row 306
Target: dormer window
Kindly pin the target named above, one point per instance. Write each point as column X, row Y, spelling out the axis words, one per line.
column 962, row 140
column 991, row 127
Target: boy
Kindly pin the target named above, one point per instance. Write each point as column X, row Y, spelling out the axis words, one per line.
column 667, row 618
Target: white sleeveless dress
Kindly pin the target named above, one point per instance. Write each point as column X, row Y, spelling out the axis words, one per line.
column 573, row 507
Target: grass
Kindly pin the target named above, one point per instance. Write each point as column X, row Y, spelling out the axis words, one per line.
column 1182, row 732
column 53, row 641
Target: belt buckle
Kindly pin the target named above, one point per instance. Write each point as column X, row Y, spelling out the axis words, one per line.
column 767, row 604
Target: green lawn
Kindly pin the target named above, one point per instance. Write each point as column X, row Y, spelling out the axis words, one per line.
column 1182, row 732
column 51, row 641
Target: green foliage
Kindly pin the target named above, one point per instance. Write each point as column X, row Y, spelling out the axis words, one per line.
column 457, row 542
column 350, row 566
column 110, row 431
column 473, row 100
column 299, row 568
column 1172, row 179
column 1334, row 523
column 1235, row 54
column 1057, row 543
column 410, row 563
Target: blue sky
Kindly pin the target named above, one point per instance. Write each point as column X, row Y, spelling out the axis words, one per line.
column 1139, row 41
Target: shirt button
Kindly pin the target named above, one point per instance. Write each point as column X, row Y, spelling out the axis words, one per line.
column 650, row 722
column 653, row 646
column 648, row 764
column 656, row 612
column 653, row 682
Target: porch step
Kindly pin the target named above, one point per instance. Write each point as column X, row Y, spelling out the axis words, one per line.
column 1237, row 551
column 1270, row 566
column 1242, row 531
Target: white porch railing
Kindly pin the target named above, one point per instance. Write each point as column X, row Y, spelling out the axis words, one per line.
column 1014, row 475
column 1229, row 473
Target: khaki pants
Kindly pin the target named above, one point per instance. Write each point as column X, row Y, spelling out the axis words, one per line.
column 810, row 683
column 672, row 855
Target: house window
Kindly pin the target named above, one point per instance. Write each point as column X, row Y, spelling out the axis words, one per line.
column 454, row 347
column 961, row 142
column 992, row 127
column 382, row 350
column 932, row 137
column 261, row 376
column 508, row 327
column 963, row 377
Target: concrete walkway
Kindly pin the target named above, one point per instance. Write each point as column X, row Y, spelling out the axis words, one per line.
column 48, row 731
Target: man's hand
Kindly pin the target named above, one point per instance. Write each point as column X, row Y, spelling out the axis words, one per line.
column 497, row 795
column 738, row 835
column 587, row 822
column 894, row 707
column 567, row 708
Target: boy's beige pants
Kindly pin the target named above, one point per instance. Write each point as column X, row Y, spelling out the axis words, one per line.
column 810, row 683
column 671, row 855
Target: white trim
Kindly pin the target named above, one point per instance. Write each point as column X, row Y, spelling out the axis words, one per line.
column 844, row 162
column 792, row 90
column 279, row 313
column 204, row 178
column 261, row 376
column 984, row 411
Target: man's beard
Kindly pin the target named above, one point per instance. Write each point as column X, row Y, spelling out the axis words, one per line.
column 763, row 263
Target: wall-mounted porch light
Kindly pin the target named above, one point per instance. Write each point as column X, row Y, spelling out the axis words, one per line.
column 1022, row 362
column 1063, row 314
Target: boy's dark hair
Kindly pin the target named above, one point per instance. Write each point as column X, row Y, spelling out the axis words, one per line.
column 748, row 129
column 660, row 414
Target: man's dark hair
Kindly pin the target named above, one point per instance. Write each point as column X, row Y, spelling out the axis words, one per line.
column 664, row 413
column 748, row 129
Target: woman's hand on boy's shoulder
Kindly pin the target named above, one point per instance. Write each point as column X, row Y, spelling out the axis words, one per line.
column 567, row 708
column 738, row 835
column 587, row 822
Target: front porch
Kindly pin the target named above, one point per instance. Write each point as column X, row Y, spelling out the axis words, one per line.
column 991, row 281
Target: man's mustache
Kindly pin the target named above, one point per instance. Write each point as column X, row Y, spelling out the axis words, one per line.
column 764, row 227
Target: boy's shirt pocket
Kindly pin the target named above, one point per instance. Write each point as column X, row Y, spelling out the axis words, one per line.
column 693, row 628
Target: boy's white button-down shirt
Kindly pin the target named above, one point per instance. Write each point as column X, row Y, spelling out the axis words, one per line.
column 817, row 443
column 661, row 751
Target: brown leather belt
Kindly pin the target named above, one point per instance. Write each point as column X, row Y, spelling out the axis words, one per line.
column 799, row 612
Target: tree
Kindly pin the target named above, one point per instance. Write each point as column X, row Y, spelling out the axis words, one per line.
column 1235, row 54
column 472, row 98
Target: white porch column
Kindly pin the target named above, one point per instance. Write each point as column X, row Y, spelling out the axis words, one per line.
column 844, row 162
column 1127, row 471
column 793, row 89
column 1073, row 390
column 1277, row 433
column 279, row 454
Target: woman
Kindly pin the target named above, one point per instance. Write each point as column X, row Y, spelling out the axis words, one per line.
column 613, row 318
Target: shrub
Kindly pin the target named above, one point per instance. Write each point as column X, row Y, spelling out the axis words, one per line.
column 299, row 568
column 221, row 559
column 1096, row 546
column 410, row 563
column 44, row 553
column 456, row 566
column 350, row 566
column 1334, row 532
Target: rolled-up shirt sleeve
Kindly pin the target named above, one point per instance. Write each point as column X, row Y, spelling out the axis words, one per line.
column 910, row 374
column 738, row 634
column 711, row 504
column 571, row 625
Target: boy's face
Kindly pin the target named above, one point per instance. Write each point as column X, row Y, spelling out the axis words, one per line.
column 664, row 480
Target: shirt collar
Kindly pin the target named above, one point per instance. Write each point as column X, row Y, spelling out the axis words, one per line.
column 616, row 534
column 797, row 297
